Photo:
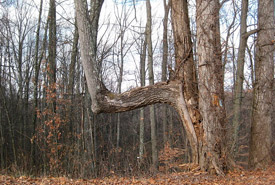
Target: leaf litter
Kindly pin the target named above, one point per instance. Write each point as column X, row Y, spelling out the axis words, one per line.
column 193, row 177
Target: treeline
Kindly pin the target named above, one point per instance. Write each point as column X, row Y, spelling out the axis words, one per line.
column 47, row 126
column 39, row 139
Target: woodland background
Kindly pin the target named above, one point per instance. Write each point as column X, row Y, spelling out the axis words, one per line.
column 71, row 140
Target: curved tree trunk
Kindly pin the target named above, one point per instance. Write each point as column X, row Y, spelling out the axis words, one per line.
column 180, row 91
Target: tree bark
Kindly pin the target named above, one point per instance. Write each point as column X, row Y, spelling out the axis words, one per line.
column 210, row 80
column 261, row 137
column 206, row 149
column 185, row 71
column 88, row 27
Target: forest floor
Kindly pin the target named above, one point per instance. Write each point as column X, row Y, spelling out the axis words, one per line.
column 266, row 177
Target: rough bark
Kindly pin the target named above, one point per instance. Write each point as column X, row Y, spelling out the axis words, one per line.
column 104, row 100
column 88, row 28
column 185, row 71
column 260, row 143
column 170, row 92
column 210, row 83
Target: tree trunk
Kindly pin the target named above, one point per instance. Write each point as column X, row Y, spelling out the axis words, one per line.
column 238, row 86
column 210, row 80
column 36, row 75
column 260, row 143
column 208, row 137
column 142, row 83
column 151, row 82
column 164, row 65
column 70, row 91
column 186, row 72
column 120, row 77
column 52, row 53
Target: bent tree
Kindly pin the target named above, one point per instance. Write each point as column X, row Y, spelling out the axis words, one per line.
column 199, row 102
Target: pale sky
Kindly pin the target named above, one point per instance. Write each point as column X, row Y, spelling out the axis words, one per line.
column 136, row 18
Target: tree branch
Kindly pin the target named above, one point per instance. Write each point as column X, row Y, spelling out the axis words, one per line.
column 247, row 34
column 161, row 92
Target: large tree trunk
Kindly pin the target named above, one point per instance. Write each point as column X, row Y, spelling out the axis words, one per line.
column 260, row 143
column 186, row 72
column 210, row 82
column 181, row 91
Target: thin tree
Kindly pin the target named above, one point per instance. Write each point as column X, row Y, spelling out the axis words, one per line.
column 37, row 64
column 151, row 82
column 52, row 52
column 164, row 64
column 142, row 83
column 72, row 75
column 238, row 86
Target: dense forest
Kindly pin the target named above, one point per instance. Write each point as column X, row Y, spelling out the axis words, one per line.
column 96, row 88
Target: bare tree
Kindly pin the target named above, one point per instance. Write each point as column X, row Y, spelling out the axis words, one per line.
column 37, row 65
column 151, row 82
column 164, row 63
column 124, row 47
column 238, row 86
column 142, row 116
column 52, row 51
column 171, row 92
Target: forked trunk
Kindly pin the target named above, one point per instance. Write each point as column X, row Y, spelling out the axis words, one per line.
column 203, row 125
